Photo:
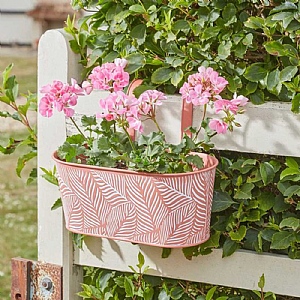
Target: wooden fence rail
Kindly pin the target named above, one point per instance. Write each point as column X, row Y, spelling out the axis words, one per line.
column 268, row 129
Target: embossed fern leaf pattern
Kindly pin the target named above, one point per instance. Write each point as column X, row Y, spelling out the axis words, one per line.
column 138, row 208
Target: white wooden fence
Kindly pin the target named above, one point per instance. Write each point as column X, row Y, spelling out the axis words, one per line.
column 270, row 129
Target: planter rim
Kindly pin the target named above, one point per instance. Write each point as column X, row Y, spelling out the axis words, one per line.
column 215, row 162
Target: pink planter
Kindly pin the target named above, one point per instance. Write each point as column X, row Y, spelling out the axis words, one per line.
column 165, row 210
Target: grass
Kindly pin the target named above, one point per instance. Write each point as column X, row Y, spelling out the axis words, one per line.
column 18, row 202
column 25, row 69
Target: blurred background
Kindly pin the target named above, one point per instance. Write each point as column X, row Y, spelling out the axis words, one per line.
column 22, row 23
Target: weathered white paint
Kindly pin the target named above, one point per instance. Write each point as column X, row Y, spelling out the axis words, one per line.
column 17, row 5
column 55, row 61
column 270, row 128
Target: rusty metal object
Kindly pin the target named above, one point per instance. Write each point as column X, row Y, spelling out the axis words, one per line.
column 35, row 280
column 20, row 280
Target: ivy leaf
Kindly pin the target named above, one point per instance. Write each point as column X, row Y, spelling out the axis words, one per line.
column 256, row 72
column 161, row 75
column 291, row 162
column 139, row 33
column 296, row 104
column 135, row 62
column 292, row 190
column 288, row 73
column 267, row 172
column 221, row 201
column 239, row 234
column 275, row 48
column 282, row 240
column 245, row 191
column 289, row 171
column 163, row 295
column 137, row 8
column 176, row 77
column 290, row 222
column 229, row 247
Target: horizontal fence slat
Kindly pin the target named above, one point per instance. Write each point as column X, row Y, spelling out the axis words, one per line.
column 241, row 270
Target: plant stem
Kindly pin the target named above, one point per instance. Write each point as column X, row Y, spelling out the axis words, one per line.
column 129, row 138
column 200, row 126
column 79, row 130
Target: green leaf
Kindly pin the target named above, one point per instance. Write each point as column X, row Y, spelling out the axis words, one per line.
column 210, row 32
column 288, row 73
column 129, row 287
column 221, row 201
column 292, row 190
column 23, row 160
column 255, row 22
column 290, row 222
column 135, row 62
column 229, row 247
column 176, row 292
column 266, row 201
column 161, row 75
column 137, row 8
column 282, row 240
column 176, row 77
column 267, row 172
column 195, row 160
column 258, row 97
column 57, row 204
column 139, row 33
column 261, row 282
column 291, row 162
column 296, row 104
column 224, row 49
column 245, row 191
column 163, row 295
column 239, row 234
column 181, row 25
column 256, row 72
column 273, row 79
column 275, row 48
column 141, row 260
column 210, row 293
column 166, row 252
column 288, row 172
column 78, row 240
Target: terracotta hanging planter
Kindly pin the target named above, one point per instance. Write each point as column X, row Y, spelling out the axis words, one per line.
column 165, row 210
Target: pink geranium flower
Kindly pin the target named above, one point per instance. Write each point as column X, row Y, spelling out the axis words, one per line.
column 225, row 105
column 218, row 125
column 61, row 97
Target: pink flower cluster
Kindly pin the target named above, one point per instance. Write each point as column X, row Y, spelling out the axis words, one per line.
column 128, row 110
column 110, row 76
column 204, row 88
column 201, row 88
column 59, row 96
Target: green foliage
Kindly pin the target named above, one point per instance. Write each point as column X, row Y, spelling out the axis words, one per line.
column 18, row 111
column 107, row 285
column 254, row 44
column 114, row 148
column 255, row 206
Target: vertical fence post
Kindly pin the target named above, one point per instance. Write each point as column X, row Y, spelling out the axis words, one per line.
column 55, row 61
